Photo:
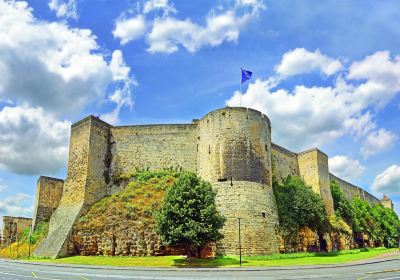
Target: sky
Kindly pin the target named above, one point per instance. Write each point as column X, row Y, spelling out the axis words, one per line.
column 326, row 73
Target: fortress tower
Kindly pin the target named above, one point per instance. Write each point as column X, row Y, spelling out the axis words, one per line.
column 234, row 154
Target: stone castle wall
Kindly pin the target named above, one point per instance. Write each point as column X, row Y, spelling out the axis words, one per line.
column 153, row 147
column 48, row 196
column 13, row 227
column 284, row 163
column 351, row 191
column 230, row 147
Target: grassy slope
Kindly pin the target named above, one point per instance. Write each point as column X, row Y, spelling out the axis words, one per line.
column 228, row 261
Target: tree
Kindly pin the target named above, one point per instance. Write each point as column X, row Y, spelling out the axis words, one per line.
column 188, row 215
column 343, row 207
column 298, row 207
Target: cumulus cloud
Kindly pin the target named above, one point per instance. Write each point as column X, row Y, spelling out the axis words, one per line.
column 300, row 61
column 32, row 142
column 164, row 5
column 129, row 29
column 388, row 182
column 167, row 33
column 345, row 167
column 312, row 116
column 51, row 72
column 18, row 205
column 64, row 8
column 52, row 66
column 378, row 141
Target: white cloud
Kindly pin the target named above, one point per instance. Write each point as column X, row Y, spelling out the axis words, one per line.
column 164, row 5
column 345, row 167
column 32, row 142
column 16, row 205
column 378, row 141
column 301, row 61
column 382, row 74
column 64, row 8
column 118, row 67
column 168, row 33
column 122, row 96
column 129, row 29
column 312, row 116
column 53, row 66
column 388, row 182
column 258, row 4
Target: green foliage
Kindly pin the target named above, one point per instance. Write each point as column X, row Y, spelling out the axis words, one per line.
column 342, row 206
column 38, row 234
column 188, row 215
column 298, row 207
column 381, row 224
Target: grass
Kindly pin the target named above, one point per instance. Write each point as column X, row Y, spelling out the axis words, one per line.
column 227, row 261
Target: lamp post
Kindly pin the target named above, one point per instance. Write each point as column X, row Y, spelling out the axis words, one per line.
column 240, row 244
column 30, row 240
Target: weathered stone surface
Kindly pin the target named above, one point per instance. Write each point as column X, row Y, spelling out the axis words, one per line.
column 284, row 163
column 153, row 147
column 48, row 196
column 386, row 202
column 351, row 191
column 313, row 168
column 12, row 229
column 86, row 183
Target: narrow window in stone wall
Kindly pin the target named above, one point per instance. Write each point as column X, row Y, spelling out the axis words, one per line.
column 209, row 149
column 263, row 214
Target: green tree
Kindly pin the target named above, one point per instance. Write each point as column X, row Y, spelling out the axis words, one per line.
column 343, row 207
column 387, row 233
column 298, row 207
column 188, row 215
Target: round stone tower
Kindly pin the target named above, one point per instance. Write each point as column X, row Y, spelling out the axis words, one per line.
column 234, row 154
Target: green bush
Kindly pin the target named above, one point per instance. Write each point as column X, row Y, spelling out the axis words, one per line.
column 188, row 215
column 298, row 207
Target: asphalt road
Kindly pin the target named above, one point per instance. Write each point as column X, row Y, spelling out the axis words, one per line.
column 384, row 270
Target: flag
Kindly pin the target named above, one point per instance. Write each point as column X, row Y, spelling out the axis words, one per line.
column 246, row 75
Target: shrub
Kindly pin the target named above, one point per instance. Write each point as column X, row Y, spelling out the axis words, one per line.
column 188, row 215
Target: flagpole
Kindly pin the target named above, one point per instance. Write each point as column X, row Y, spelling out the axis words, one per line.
column 240, row 96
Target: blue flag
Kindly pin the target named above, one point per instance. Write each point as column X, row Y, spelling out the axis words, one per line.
column 246, row 75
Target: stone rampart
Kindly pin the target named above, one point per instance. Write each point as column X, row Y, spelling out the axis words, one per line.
column 351, row 191
column 284, row 163
column 48, row 196
column 13, row 228
column 153, row 147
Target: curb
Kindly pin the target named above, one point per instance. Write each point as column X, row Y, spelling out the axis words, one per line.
column 276, row 268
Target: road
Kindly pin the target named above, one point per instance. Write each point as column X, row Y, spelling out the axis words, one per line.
column 385, row 270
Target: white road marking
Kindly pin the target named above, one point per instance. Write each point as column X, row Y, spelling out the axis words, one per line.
column 27, row 276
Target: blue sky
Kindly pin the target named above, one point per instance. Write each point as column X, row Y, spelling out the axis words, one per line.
column 327, row 73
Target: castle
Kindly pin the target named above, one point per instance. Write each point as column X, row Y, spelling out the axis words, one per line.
column 229, row 147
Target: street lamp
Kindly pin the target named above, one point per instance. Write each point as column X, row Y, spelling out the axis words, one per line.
column 240, row 244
